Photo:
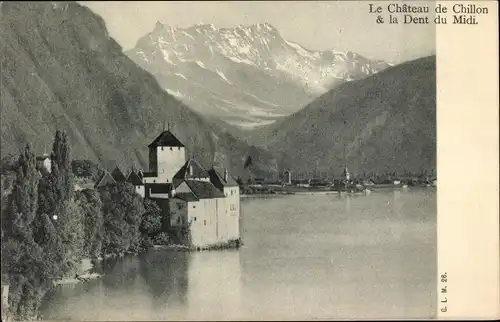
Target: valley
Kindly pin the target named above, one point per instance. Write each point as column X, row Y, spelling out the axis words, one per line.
column 247, row 76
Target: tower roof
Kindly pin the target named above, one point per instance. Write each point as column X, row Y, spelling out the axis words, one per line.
column 134, row 179
column 218, row 178
column 118, row 175
column 191, row 170
column 166, row 138
column 104, row 180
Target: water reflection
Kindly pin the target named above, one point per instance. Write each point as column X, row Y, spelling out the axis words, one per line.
column 165, row 275
column 119, row 273
column 348, row 204
column 304, row 257
column 214, row 285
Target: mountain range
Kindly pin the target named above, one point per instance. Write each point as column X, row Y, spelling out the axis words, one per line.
column 246, row 75
column 60, row 69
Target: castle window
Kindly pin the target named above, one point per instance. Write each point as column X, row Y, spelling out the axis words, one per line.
column 204, row 222
column 162, row 148
column 170, row 149
column 194, row 218
column 178, row 148
column 154, row 181
column 178, row 220
column 194, row 206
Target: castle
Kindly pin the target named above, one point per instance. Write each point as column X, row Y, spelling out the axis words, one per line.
column 205, row 201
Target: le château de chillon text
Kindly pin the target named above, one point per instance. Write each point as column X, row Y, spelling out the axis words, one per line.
column 462, row 13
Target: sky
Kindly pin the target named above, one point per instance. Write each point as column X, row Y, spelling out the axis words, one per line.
column 316, row 25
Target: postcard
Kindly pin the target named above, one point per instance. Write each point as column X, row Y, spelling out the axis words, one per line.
column 249, row 160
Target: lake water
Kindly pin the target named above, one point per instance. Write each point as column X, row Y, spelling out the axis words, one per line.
column 304, row 257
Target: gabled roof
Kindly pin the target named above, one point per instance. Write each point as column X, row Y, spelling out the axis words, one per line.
column 166, row 138
column 217, row 178
column 118, row 175
column 104, row 180
column 186, row 196
column 204, row 190
column 191, row 170
column 134, row 179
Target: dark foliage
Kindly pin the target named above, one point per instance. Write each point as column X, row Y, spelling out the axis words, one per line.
column 22, row 258
column 47, row 228
column 122, row 213
column 86, row 169
column 90, row 203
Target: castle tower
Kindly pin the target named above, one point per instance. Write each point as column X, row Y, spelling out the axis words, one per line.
column 167, row 155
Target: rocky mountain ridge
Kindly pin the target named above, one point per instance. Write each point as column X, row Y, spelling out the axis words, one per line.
column 246, row 75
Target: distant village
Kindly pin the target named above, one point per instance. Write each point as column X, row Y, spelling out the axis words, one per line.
column 291, row 182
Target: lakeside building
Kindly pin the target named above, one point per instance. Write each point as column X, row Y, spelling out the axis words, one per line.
column 44, row 162
column 287, row 177
column 346, row 174
column 135, row 178
column 205, row 201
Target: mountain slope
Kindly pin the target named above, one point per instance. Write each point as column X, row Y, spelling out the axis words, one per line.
column 246, row 75
column 60, row 69
column 386, row 122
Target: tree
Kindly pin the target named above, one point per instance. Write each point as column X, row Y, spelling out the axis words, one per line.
column 93, row 224
column 60, row 224
column 86, row 169
column 122, row 212
column 9, row 163
column 152, row 220
column 23, row 259
column 24, row 200
column 61, row 172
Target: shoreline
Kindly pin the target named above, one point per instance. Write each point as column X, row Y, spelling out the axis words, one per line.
column 230, row 244
column 83, row 273
column 367, row 189
column 84, row 269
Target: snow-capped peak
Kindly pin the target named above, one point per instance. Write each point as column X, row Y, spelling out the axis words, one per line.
column 232, row 55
